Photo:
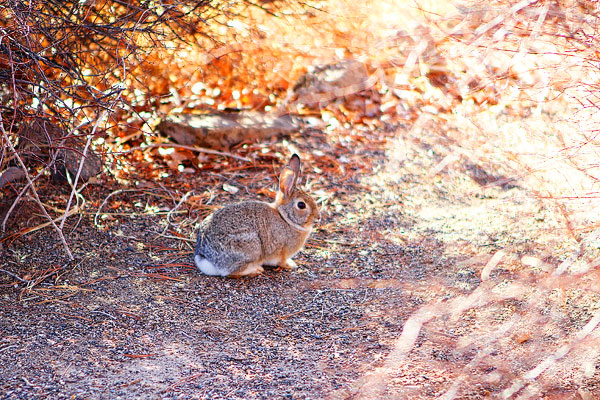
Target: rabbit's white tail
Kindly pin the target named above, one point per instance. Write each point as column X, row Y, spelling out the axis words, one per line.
column 206, row 266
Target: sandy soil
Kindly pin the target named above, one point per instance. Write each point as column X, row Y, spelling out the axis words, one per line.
column 397, row 295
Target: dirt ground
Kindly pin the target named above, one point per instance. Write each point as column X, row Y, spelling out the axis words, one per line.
column 412, row 286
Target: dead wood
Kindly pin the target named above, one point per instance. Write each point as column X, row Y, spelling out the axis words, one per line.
column 222, row 130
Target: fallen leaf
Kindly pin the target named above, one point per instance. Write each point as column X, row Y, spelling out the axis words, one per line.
column 230, row 188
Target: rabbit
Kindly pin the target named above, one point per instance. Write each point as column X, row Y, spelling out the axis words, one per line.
column 240, row 238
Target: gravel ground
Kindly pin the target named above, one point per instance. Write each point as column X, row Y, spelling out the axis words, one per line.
column 397, row 295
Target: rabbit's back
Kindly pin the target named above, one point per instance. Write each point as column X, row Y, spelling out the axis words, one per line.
column 239, row 234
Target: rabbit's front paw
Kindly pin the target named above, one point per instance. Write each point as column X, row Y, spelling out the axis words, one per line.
column 289, row 264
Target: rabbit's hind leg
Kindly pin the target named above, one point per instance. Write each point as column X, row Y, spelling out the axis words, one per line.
column 251, row 269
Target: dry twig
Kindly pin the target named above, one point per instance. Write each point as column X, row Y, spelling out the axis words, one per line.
column 33, row 191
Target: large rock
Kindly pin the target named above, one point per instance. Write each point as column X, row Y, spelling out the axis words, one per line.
column 324, row 83
column 222, row 130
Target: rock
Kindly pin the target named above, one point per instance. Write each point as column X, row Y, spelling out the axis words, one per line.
column 38, row 141
column 222, row 130
column 11, row 174
column 70, row 158
column 327, row 82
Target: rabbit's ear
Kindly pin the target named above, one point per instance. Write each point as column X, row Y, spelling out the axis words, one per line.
column 289, row 176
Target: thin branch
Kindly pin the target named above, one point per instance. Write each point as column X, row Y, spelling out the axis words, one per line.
column 14, row 275
column 22, row 192
column 33, row 191
column 81, row 162
column 104, row 202
column 172, row 210
column 191, row 148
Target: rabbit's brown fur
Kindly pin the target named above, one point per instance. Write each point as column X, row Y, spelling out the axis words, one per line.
column 239, row 239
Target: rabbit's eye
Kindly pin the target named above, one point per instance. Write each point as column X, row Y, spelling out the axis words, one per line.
column 301, row 205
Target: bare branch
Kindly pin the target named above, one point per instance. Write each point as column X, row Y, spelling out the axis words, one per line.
column 33, row 191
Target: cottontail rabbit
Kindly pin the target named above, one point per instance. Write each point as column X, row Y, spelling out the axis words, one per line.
column 239, row 239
